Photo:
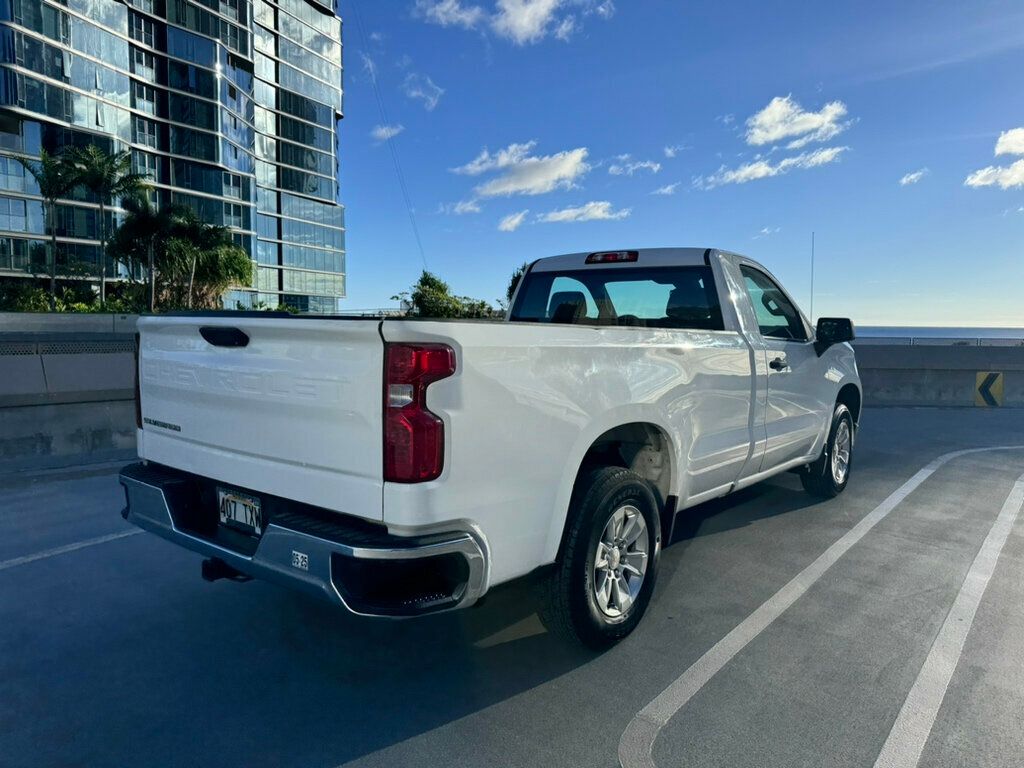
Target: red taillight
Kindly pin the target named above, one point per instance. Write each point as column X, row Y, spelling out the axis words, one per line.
column 138, row 389
column 612, row 257
column 413, row 436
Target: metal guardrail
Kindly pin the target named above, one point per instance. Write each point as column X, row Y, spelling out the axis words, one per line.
column 935, row 341
column 66, row 347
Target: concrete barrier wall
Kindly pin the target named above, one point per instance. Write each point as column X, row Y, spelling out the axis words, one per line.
column 67, row 384
column 67, row 389
column 69, row 434
column 937, row 375
column 65, row 322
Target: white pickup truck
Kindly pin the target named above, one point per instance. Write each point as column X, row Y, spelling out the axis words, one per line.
column 404, row 466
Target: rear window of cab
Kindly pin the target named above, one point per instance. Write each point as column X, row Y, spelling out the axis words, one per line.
column 661, row 297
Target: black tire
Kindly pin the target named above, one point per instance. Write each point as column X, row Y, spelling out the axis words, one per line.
column 569, row 606
column 820, row 479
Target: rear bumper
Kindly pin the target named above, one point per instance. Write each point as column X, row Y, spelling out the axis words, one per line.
column 357, row 565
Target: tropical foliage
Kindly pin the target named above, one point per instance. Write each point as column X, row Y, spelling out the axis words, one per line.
column 513, row 282
column 432, row 297
column 188, row 263
column 173, row 259
column 56, row 178
column 108, row 177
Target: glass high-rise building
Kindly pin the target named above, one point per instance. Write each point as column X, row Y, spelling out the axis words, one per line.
column 231, row 106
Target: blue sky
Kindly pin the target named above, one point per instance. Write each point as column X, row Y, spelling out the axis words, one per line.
column 527, row 128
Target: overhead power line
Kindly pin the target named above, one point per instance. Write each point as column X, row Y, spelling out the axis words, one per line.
column 389, row 140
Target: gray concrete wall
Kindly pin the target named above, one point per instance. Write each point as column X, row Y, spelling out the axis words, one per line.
column 898, row 374
column 67, row 389
column 43, row 436
column 65, row 322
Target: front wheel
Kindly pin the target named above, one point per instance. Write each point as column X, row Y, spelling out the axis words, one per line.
column 601, row 586
column 828, row 475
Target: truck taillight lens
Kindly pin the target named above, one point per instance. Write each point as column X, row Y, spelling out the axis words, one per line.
column 413, row 436
column 138, row 389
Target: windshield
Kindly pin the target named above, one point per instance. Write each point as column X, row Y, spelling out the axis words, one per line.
column 670, row 297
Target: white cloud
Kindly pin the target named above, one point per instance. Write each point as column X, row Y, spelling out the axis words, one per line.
column 523, row 173
column 1011, row 142
column 520, row 21
column 460, row 208
column 422, row 88
column 450, row 13
column 565, row 28
column 767, row 232
column 672, row 150
column 513, row 221
column 385, row 132
column 1003, row 176
column 784, row 118
column 626, row 166
column 668, row 189
column 913, row 177
column 763, row 169
column 369, row 65
column 524, row 21
column 595, row 211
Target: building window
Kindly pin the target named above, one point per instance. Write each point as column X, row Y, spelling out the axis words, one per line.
column 232, row 215
column 230, row 8
column 145, row 98
column 142, row 5
column 12, row 215
column 145, row 132
column 142, row 29
column 233, row 186
column 144, row 163
column 12, row 174
column 229, row 35
column 143, row 64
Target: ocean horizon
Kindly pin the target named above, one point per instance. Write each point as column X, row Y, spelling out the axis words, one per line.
column 938, row 332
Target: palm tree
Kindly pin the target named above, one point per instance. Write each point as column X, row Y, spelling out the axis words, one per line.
column 195, row 261
column 143, row 235
column 214, row 260
column 108, row 177
column 56, row 178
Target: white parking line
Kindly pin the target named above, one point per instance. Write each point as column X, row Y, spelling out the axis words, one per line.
column 910, row 732
column 5, row 564
column 637, row 742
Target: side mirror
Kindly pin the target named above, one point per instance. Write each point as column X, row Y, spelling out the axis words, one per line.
column 832, row 330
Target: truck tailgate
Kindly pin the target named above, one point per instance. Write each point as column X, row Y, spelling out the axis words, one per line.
column 293, row 410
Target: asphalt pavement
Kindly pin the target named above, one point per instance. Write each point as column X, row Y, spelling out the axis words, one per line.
column 885, row 627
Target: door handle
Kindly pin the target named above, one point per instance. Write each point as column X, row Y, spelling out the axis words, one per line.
column 779, row 364
column 220, row 336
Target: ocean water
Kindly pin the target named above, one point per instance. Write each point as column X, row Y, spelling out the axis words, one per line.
column 930, row 332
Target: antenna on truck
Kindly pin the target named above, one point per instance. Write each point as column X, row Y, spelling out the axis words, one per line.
column 812, row 278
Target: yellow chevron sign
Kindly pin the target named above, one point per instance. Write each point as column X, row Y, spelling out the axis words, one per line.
column 988, row 389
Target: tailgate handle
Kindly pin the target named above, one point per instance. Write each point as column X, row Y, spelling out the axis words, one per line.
column 224, row 337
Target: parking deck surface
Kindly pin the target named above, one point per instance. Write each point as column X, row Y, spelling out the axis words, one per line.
column 883, row 627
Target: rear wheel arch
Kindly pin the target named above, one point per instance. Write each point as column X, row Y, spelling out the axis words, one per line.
column 641, row 446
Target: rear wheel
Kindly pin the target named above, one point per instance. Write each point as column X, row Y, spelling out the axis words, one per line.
column 828, row 476
column 601, row 586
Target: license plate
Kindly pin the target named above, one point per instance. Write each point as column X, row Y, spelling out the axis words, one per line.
column 240, row 511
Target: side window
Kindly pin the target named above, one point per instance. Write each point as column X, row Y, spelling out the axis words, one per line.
column 777, row 318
